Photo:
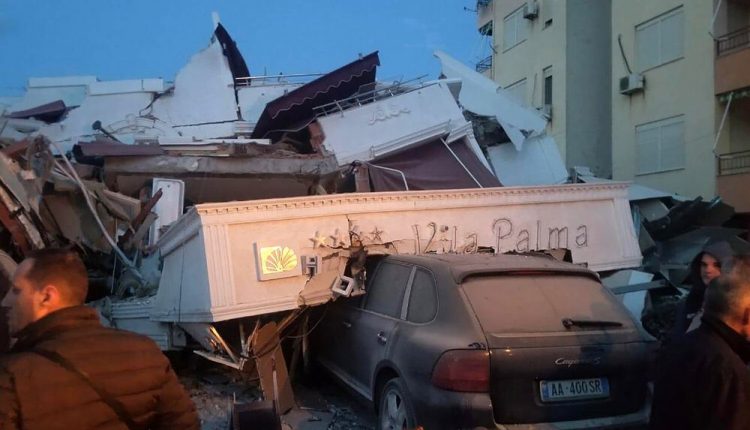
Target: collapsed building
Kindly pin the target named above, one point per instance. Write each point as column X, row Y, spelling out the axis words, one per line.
column 213, row 210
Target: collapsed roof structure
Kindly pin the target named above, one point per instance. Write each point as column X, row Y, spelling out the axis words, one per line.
column 144, row 151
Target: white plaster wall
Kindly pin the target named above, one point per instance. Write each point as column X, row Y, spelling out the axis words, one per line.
column 201, row 105
column 376, row 129
column 203, row 92
column 70, row 89
column 543, row 47
column 684, row 86
column 109, row 109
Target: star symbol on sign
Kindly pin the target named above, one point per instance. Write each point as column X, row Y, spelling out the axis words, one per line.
column 376, row 235
column 319, row 240
column 337, row 239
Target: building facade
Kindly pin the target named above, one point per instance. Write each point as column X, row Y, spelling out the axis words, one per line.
column 687, row 130
column 678, row 88
column 732, row 89
column 555, row 56
column 664, row 110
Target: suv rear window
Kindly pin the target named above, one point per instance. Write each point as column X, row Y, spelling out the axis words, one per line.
column 538, row 303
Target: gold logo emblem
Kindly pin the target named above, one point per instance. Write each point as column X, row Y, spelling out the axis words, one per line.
column 277, row 259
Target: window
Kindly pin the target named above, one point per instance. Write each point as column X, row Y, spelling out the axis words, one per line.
column 659, row 40
column 386, row 294
column 661, row 145
column 486, row 30
column 549, row 7
column 547, row 94
column 517, row 91
column 515, row 29
column 422, row 300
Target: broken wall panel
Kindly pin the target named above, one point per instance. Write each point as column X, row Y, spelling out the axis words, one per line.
column 538, row 162
column 203, row 94
column 431, row 166
column 391, row 124
column 217, row 179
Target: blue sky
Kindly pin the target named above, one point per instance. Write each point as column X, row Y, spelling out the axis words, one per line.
column 124, row 39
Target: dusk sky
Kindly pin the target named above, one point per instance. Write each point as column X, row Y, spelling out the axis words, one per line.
column 116, row 39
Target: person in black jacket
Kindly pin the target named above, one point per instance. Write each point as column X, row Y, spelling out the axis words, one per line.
column 704, row 268
column 702, row 379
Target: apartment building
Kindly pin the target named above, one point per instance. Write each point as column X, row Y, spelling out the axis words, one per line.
column 555, row 56
column 732, row 89
column 681, row 103
column 663, row 105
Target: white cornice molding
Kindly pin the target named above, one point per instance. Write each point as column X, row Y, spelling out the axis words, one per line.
column 354, row 203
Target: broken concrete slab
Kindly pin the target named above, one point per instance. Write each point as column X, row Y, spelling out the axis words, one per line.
column 217, row 179
column 483, row 96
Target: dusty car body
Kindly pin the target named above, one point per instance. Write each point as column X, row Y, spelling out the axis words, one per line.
column 466, row 341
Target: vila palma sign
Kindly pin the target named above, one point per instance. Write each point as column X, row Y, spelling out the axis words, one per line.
column 507, row 237
column 545, row 237
column 259, row 255
column 441, row 238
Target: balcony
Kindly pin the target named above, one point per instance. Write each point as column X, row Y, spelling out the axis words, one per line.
column 485, row 12
column 484, row 65
column 732, row 66
column 733, row 179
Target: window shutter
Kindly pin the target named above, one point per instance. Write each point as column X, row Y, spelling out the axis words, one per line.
column 673, row 146
column 671, row 37
column 648, row 150
column 647, row 41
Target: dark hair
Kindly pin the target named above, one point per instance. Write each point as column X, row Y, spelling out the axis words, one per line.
column 726, row 292
column 62, row 268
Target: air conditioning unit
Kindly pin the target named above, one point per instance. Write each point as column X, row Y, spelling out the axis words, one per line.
column 631, row 84
column 531, row 10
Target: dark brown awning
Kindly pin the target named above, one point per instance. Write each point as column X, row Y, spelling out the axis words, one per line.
column 296, row 108
column 48, row 112
column 430, row 166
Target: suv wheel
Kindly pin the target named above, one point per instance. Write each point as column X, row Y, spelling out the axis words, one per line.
column 395, row 412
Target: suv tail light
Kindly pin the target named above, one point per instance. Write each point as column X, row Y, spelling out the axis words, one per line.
column 466, row 370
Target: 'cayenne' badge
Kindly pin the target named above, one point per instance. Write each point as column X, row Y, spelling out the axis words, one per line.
column 569, row 362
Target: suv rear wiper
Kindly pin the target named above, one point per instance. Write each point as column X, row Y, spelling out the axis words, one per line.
column 568, row 323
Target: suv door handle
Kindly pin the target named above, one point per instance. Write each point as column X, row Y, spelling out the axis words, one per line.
column 346, row 324
column 381, row 338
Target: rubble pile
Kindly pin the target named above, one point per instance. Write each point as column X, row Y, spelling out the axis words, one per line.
column 671, row 232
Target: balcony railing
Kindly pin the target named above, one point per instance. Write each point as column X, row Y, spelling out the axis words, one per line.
column 485, row 64
column 273, row 80
column 734, row 163
column 734, row 40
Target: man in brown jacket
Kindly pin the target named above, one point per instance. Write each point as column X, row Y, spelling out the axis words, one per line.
column 67, row 371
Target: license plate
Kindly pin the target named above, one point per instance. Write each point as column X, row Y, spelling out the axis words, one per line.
column 574, row 389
